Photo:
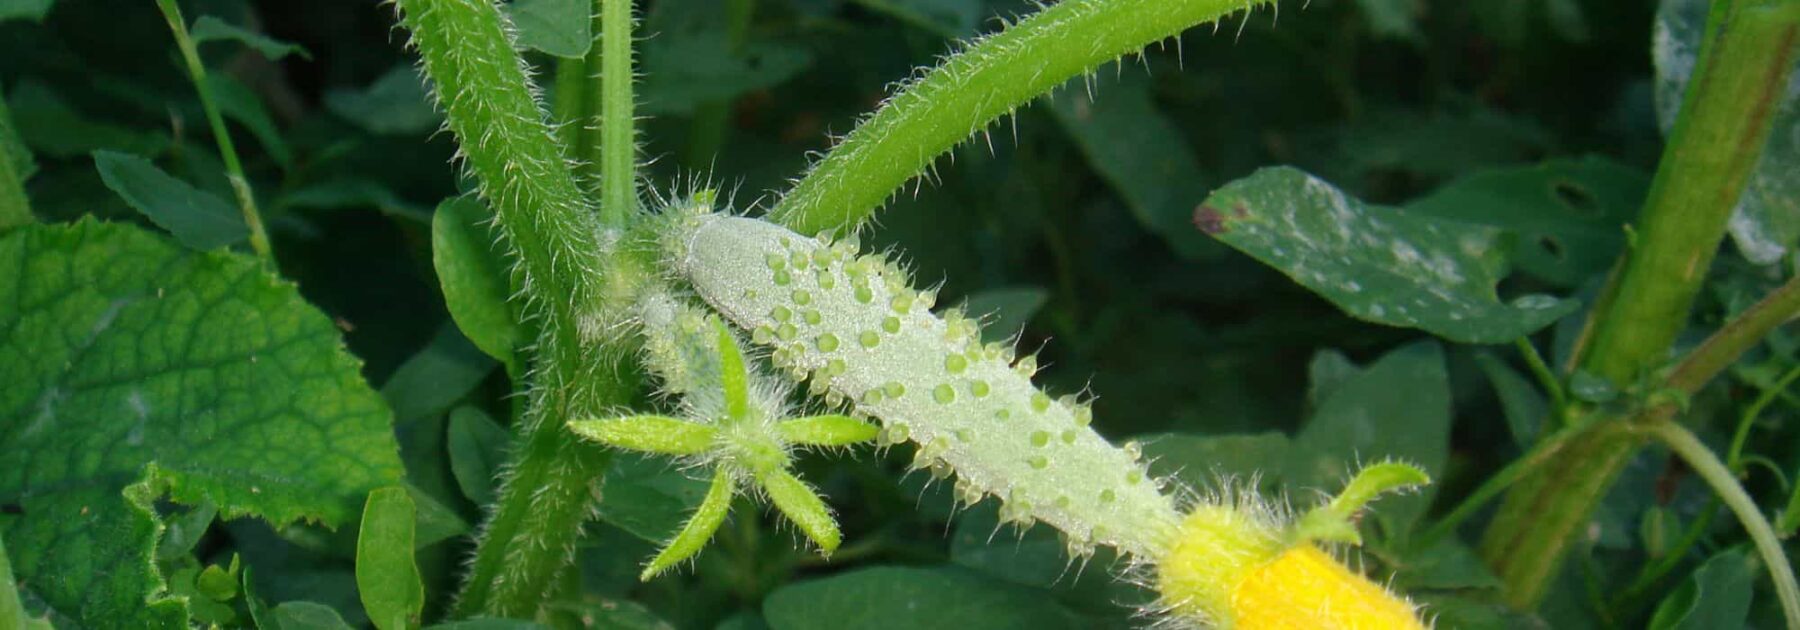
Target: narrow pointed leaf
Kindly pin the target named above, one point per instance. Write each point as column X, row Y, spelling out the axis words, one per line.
column 827, row 430
column 733, row 375
column 199, row 219
column 651, row 434
column 802, row 505
column 699, row 529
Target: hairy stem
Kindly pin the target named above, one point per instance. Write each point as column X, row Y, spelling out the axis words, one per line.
column 618, row 127
column 15, row 208
column 972, row 89
column 1744, row 61
column 541, row 214
column 1725, row 485
column 1737, row 336
column 234, row 169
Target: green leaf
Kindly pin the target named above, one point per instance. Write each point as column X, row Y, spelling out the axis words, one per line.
column 55, row 129
column 1397, row 408
column 828, row 430
column 907, row 598
column 602, row 613
column 183, row 531
column 648, row 496
column 387, row 577
column 238, row 103
column 477, row 447
column 13, row 145
column 131, row 358
column 1717, row 596
column 692, row 59
column 1447, row 565
column 32, row 10
column 395, row 104
column 307, row 616
column 650, row 434
column 212, row 29
column 1766, row 222
column 197, row 218
column 1142, row 155
column 488, row 623
column 1328, row 369
column 949, row 18
column 802, row 505
column 1788, row 522
column 1207, row 461
column 12, row 611
column 563, row 28
column 1566, row 214
column 473, row 278
column 1392, row 19
column 353, row 193
column 699, row 528
column 1524, row 407
column 434, row 522
column 433, row 380
column 1376, row 263
column 1005, row 311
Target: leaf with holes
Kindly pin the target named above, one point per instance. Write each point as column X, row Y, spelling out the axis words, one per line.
column 1567, row 214
column 1378, row 264
column 126, row 354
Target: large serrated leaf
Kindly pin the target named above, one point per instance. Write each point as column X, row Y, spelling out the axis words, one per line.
column 1766, row 222
column 1378, row 264
column 122, row 350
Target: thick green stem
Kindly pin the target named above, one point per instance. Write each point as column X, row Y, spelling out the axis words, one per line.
column 972, row 89
column 1737, row 337
column 1724, row 484
column 541, row 214
column 1749, row 48
column 15, row 208
column 234, row 169
column 618, row 127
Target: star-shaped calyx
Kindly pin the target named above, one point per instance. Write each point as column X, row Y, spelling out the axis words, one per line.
column 735, row 421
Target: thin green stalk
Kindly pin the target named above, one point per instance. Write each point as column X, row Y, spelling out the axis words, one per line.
column 1744, row 61
column 970, row 90
column 1737, row 337
column 1545, row 376
column 1734, row 456
column 568, row 106
column 1495, row 484
column 1685, row 445
column 234, row 169
column 543, row 217
column 15, row 207
column 618, row 127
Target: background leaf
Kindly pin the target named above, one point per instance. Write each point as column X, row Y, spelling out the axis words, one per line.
column 1378, row 264
column 395, row 104
column 386, row 575
column 128, row 352
column 557, row 27
column 478, row 449
column 473, row 278
column 1398, row 407
column 1716, row 596
column 211, row 29
column 907, row 597
column 197, row 218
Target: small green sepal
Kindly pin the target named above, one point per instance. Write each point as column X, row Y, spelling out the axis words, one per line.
column 1335, row 521
column 827, row 430
column 699, row 528
column 649, row 434
column 802, row 505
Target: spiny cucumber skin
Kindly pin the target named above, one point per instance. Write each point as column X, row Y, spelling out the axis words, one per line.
column 853, row 324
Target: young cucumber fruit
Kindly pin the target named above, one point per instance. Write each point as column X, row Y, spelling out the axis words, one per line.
column 866, row 339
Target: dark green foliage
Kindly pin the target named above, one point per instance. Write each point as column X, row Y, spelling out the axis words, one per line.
column 219, row 449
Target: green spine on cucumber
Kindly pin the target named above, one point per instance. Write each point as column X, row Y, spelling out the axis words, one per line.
column 866, row 339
